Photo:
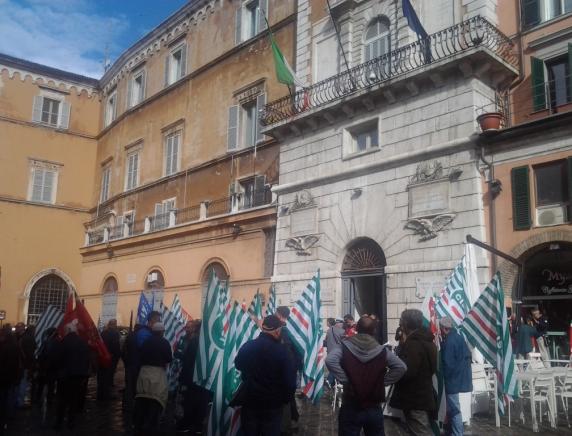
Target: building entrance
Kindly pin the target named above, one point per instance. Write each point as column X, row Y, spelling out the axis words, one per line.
column 364, row 283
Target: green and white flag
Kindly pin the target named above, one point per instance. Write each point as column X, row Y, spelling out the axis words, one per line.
column 271, row 306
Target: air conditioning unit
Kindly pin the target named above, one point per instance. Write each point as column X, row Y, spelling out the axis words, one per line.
column 550, row 216
column 152, row 277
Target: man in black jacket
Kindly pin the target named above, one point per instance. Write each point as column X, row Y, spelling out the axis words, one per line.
column 269, row 380
column 364, row 367
column 110, row 337
column 414, row 392
column 73, row 361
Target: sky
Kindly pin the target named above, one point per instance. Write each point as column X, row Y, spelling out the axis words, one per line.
column 76, row 35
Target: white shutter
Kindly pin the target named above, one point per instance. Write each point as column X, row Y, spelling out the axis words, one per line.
column 65, row 115
column 169, row 205
column 233, row 128
column 263, row 15
column 175, row 153
column 130, row 85
column 167, row 65
column 158, row 209
column 183, row 70
column 238, row 26
column 47, row 191
column 37, row 184
column 260, row 102
column 135, row 169
column 37, row 109
column 142, row 89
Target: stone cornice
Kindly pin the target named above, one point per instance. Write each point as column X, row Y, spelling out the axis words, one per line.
column 168, row 31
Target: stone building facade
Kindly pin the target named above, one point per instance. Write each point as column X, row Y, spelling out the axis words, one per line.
column 379, row 161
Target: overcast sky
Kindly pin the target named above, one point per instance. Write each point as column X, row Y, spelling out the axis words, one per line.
column 74, row 35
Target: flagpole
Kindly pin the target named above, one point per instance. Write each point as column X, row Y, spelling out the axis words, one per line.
column 339, row 41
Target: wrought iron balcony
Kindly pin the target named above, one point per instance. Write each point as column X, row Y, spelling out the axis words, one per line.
column 473, row 33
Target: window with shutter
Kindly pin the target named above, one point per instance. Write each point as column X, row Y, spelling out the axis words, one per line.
column 43, row 185
column 65, row 115
column 232, row 133
column 105, row 180
column 132, row 173
column 50, row 111
column 172, row 153
column 136, row 91
column 238, row 26
column 259, row 190
column 530, row 12
column 37, row 109
column 110, row 108
column 520, row 198
column 538, row 85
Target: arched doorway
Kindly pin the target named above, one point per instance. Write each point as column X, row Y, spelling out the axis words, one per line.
column 547, row 284
column 364, row 282
column 220, row 272
column 155, row 288
column 49, row 290
column 109, row 300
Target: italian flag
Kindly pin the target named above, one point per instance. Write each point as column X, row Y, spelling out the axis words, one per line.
column 284, row 72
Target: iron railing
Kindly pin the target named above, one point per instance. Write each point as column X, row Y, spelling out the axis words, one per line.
column 159, row 221
column 188, row 214
column 116, row 232
column 474, row 32
column 96, row 236
column 221, row 206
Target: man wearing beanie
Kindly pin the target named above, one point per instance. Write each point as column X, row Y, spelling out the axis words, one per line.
column 268, row 380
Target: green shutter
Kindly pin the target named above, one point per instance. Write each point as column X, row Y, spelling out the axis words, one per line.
column 570, row 186
column 520, row 198
column 530, row 12
column 538, row 86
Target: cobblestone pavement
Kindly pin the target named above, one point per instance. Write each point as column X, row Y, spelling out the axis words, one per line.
column 108, row 419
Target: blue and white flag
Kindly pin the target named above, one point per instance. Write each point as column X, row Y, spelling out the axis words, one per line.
column 144, row 309
column 51, row 317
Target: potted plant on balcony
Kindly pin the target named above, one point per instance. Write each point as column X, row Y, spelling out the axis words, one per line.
column 490, row 121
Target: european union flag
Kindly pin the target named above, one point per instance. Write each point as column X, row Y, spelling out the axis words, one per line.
column 413, row 19
column 144, row 309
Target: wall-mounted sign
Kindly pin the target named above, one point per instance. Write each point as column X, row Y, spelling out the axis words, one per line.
column 2, row 315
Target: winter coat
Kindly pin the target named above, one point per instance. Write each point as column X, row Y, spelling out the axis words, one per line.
column 156, row 351
column 73, row 357
column 267, row 373
column 334, row 336
column 364, row 367
column 111, row 340
column 10, row 364
column 414, row 391
column 456, row 359
column 524, row 339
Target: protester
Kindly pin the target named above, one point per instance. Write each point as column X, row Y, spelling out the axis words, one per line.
column 456, row 360
column 364, row 367
column 144, row 332
column 333, row 340
column 152, row 387
column 130, row 357
column 195, row 397
column 413, row 394
column 268, row 380
column 110, row 337
column 290, row 413
column 524, row 336
column 47, row 370
column 9, row 374
column 73, row 361
column 349, row 325
column 27, row 346
column 541, row 324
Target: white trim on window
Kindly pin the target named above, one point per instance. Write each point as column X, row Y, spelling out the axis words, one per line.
column 51, row 109
column 136, row 91
column 43, row 182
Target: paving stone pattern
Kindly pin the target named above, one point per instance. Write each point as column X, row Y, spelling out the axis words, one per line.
column 108, row 419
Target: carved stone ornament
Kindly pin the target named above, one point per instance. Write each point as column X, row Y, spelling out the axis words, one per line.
column 427, row 228
column 427, row 172
column 302, row 244
column 302, row 200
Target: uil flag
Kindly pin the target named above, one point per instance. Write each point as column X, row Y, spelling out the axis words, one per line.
column 454, row 301
column 486, row 328
column 144, row 309
column 305, row 329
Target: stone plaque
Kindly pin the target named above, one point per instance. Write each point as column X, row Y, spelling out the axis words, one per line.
column 428, row 199
column 131, row 278
column 303, row 222
column 434, row 285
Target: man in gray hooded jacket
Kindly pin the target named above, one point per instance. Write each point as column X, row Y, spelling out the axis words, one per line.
column 365, row 368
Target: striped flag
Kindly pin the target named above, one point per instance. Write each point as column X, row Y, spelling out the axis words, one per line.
column 486, row 328
column 271, row 306
column 51, row 317
column 174, row 329
column 305, row 329
column 255, row 307
column 454, row 301
column 144, row 309
column 177, row 309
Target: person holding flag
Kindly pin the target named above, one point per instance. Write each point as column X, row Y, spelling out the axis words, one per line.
column 268, row 380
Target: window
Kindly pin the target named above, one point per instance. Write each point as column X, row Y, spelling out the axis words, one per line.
column 176, row 64
column 250, row 192
column 326, row 59
column 377, row 39
column 50, row 290
column 136, row 92
column 132, row 170
column 51, row 110
column 172, row 153
column 110, row 108
column 559, row 80
column 162, row 214
column 551, row 81
column 250, row 19
column 551, row 184
column 105, row 180
column 538, row 11
column 244, row 129
column 43, row 182
column 362, row 138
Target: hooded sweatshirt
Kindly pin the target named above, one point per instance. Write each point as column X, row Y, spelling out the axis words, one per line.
column 361, row 354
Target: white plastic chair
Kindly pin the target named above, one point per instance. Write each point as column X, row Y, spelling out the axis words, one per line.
column 544, row 392
column 564, row 391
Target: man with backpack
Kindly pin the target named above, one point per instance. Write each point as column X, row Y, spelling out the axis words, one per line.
column 364, row 367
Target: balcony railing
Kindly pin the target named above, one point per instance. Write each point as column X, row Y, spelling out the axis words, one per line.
column 207, row 209
column 475, row 32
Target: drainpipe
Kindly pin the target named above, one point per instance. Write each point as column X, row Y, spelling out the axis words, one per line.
column 492, row 212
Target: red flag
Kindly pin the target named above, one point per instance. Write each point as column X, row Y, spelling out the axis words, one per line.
column 69, row 315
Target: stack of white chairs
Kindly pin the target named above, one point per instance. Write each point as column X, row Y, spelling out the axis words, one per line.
column 545, row 392
column 564, row 391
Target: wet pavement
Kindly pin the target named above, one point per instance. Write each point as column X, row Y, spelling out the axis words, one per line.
column 109, row 419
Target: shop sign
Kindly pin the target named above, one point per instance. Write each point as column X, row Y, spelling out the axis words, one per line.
column 2, row 315
column 556, row 282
